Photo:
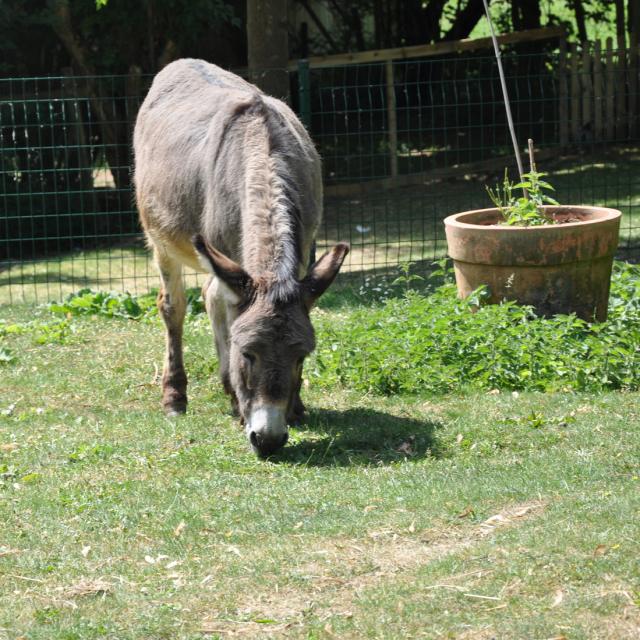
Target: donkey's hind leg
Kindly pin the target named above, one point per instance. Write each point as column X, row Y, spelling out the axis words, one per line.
column 172, row 305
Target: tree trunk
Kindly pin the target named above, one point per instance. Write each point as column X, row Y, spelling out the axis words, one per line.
column 377, row 24
column 620, row 33
column 420, row 24
column 516, row 16
column 465, row 21
column 114, row 132
column 268, row 46
column 320, row 26
column 530, row 15
column 61, row 24
column 356, row 24
column 525, row 15
column 432, row 18
column 578, row 9
column 633, row 20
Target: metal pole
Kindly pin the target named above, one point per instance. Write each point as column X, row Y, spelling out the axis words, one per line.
column 304, row 108
column 304, row 93
column 504, row 92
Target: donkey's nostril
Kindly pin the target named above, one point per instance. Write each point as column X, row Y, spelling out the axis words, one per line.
column 266, row 445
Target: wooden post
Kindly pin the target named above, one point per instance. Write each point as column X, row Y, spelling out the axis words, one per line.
column 597, row 92
column 424, row 50
column 563, row 93
column 633, row 85
column 77, row 140
column 392, row 123
column 532, row 161
column 585, row 81
column 610, row 89
column 621, row 91
column 575, row 95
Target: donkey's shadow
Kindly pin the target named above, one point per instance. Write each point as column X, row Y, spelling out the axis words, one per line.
column 360, row 437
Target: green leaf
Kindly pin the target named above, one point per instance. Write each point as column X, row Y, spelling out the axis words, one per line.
column 30, row 478
column 6, row 356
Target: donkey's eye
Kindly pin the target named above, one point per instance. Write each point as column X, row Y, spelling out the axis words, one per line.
column 249, row 357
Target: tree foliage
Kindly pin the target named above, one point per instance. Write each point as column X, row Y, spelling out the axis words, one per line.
column 375, row 24
column 112, row 36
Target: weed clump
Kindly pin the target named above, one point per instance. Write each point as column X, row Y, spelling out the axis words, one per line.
column 430, row 342
column 408, row 341
column 523, row 211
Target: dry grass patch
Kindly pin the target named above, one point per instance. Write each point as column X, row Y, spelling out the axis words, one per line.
column 624, row 624
column 87, row 587
column 346, row 568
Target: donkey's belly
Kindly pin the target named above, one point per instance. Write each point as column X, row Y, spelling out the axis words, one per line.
column 179, row 249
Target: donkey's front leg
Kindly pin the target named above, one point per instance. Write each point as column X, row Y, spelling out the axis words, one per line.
column 220, row 305
column 297, row 410
column 172, row 306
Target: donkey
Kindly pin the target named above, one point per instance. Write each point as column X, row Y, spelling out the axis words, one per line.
column 227, row 178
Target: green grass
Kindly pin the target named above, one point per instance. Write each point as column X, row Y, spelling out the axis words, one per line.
column 471, row 514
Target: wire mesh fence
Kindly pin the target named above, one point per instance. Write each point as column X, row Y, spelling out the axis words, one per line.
column 404, row 144
column 67, row 209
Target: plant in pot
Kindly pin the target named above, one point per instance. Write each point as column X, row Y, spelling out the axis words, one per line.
column 530, row 249
column 556, row 258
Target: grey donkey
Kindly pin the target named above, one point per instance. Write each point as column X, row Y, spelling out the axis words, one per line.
column 227, row 178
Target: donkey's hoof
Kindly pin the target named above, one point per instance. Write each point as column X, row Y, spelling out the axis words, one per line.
column 234, row 408
column 296, row 418
column 298, row 413
column 173, row 409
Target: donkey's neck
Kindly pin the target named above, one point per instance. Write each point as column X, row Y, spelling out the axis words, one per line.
column 269, row 220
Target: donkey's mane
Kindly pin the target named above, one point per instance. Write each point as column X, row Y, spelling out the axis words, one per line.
column 271, row 220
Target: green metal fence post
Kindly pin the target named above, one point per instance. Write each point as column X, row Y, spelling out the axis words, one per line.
column 304, row 100
column 304, row 92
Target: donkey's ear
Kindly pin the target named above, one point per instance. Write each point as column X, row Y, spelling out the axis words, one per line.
column 230, row 272
column 323, row 272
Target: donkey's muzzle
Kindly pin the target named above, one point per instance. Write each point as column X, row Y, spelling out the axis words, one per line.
column 267, row 429
column 264, row 445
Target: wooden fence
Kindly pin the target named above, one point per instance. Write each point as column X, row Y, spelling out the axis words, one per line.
column 388, row 56
column 598, row 93
column 432, row 49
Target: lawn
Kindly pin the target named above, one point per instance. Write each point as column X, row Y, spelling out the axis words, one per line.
column 476, row 512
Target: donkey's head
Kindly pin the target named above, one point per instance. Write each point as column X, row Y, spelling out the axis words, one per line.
column 268, row 342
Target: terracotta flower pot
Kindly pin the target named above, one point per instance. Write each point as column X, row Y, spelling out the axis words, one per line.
column 556, row 268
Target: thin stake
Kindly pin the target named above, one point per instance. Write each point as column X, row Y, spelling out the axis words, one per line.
column 532, row 162
column 505, row 94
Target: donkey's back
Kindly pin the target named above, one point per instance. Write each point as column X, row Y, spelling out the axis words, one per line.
column 194, row 147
